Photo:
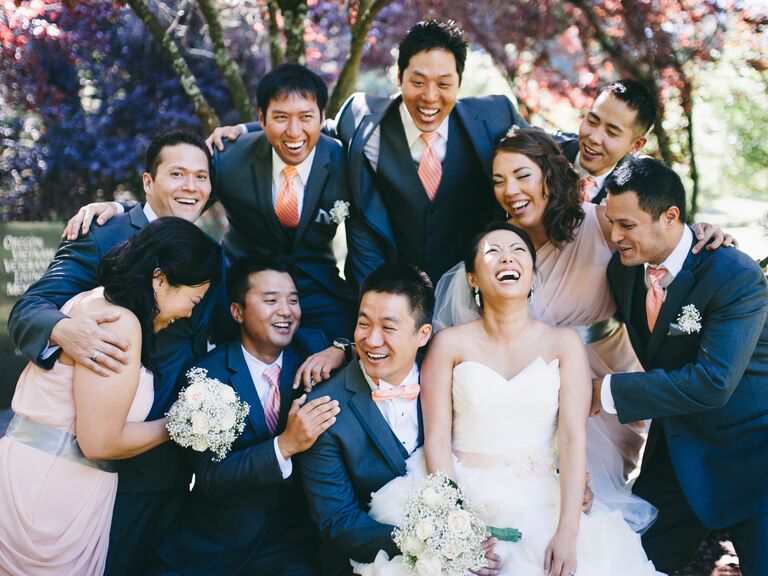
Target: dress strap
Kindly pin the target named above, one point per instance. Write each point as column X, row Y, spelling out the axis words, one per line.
column 53, row 441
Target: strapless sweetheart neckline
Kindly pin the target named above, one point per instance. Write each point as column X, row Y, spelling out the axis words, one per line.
column 526, row 368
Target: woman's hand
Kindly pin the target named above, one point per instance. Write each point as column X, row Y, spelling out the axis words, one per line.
column 560, row 555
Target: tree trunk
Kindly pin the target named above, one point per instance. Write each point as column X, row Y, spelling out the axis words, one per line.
column 188, row 81
column 275, row 50
column 687, row 95
column 224, row 62
column 359, row 29
column 294, row 12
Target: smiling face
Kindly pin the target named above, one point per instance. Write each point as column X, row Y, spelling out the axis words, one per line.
column 639, row 237
column 518, row 183
column 181, row 185
column 292, row 125
column 270, row 316
column 386, row 336
column 608, row 133
column 503, row 266
column 430, row 86
column 174, row 302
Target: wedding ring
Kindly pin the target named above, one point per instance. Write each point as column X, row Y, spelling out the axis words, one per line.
column 95, row 356
column 571, row 573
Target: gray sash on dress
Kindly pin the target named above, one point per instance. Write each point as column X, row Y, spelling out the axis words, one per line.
column 53, row 441
column 591, row 333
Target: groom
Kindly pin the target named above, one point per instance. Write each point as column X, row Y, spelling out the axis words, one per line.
column 698, row 325
column 380, row 421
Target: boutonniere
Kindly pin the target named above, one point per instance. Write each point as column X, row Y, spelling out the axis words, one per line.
column 689, row 319
column 340, row 211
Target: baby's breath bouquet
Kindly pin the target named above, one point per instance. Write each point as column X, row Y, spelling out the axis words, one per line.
column 437, row 534
column 207, row 416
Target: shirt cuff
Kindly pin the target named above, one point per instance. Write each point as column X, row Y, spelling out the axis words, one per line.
column 606, row 398
column 243, row 128
column 49, row 351
column 286, row 466
column 119, row 207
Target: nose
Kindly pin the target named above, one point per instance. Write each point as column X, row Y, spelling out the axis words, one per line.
column 189, row 182
column 375, row 337
column 283, row 308
column 616, row 234
column 430, row 92
column 294, row 127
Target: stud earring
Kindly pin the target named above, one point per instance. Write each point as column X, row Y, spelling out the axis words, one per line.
column 478, row 302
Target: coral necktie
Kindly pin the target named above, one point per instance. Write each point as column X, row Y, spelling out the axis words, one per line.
column 272, row 407
column 655, row 296
column 587, row 185
column 287, row 204
column 430, row 170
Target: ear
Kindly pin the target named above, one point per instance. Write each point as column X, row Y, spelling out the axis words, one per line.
column 471, row 280
column 425, row 332
column 158, row 279
column 322, row 117
column 237, row 312
column 261, row 117
column 671, row 215
column 147, row 181
column 638, row 144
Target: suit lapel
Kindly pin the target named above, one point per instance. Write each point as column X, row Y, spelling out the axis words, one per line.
column 318, row 175
column 261, row 173
column 479, row 133
column 676, row 294
column 137, row 217
column 372, row 421
column 246, row 389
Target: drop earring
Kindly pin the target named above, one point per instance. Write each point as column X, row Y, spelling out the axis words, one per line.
column 478, row 302
column 530, row 294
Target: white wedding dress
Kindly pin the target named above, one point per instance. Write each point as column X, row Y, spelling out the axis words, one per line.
column 504, row 433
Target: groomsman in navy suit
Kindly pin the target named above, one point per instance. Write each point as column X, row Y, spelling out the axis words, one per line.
column 247, row 513
column 380, row 421
column 698, row 325
column 616, row 125
column 176, row 183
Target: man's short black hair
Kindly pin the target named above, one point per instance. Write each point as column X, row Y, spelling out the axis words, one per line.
column 431, row 35
column 657, row 186
column 170, row 138
column 289, row 79
column 238, row 276
column 638, row 97
column 404, row 280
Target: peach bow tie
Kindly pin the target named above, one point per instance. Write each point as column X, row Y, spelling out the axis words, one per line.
column 404, row 391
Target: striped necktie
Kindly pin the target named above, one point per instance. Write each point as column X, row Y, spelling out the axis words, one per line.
column 655, row 295
column 430, row 170
column 287, row 204
column 272, row 407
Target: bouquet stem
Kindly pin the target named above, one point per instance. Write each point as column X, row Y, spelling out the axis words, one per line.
column 505, row 534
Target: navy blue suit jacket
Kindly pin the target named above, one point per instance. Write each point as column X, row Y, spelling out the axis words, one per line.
column 353, row 458
column 72, row 271
column 708, row 391
column 235, row 502
column 485, row 119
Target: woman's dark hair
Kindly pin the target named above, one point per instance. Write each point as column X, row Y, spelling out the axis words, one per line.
column 563, row 213
column 184, row 253
column 470, row 256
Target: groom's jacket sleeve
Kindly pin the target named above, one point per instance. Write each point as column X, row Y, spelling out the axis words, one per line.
column 334, row 506
column 732, row 321
column 73, row 270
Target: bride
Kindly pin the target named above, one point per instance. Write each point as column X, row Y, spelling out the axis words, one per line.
column 505, row 398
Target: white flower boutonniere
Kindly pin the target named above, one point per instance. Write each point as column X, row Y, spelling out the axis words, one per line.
column 689, row 319
column 340, row 211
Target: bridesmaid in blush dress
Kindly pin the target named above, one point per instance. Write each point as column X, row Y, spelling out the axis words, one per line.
column 57, row 487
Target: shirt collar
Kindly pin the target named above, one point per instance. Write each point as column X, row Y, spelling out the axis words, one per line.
column 411, row 378
column 303, row 169
column 149, row 213
column 674, row 262
column 254, row 362
column 582, row 172
column 412, row 132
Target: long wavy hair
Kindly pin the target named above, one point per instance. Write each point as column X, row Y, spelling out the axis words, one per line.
column 184, row 253
column 563, row 213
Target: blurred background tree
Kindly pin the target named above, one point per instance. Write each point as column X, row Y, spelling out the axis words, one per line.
column 83, row 85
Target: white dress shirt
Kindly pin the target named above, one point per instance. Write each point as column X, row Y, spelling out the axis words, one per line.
column 413, row 136
column 401, row 414
column 299, row 182
column 256, row 367
column 673, row 263
column 582, row 172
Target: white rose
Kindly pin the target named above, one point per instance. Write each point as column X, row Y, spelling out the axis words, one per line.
column 450, row 551
column 460, row 523
column 431, row 498
column 200, row 444
column 424, row 529
column 428, row 566
column 194, row 395
column 200, row 424
column 228, row 420
column 413, row 545
column 228, row 394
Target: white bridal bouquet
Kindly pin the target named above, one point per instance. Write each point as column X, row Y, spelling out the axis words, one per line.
column 438, row 534
column 207, row 416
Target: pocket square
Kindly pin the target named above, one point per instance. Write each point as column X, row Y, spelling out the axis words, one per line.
column 322, row 217
column 675, row 330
